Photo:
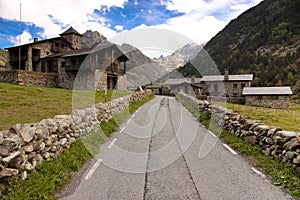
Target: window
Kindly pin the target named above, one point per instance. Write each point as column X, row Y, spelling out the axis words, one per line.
column 215, row 87
column 243, row 85
column 234, row 85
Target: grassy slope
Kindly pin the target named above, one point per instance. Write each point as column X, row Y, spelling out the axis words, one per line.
column 23, row 104
column 287, row 119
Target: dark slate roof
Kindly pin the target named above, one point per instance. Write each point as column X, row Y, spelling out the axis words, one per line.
column 267, row 91
column 77, row 52
column 175, row 81
column 71, row 30
column 243, row 77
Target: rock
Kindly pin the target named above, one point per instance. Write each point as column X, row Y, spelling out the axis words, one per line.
column 290, row 154
column 12, row 142
column 29, row 148
column 286, row 134
column 11, row 157
column 250, row 139
column 271, row 132
column 269, row 141
column 8, row 172
column 28, row 166
column 63, row 141
column 4, row 151
column 24, row 175
column 27, row 132
column 1, row 137
column 42, row 133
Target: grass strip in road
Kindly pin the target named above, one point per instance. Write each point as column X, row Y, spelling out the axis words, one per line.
column 48, row 177
column 282, row 174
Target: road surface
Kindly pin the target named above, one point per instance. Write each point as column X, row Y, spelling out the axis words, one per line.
column 162, row 152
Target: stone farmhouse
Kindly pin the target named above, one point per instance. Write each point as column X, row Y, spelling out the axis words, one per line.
column 232, row 88
column 61, row 61
column 273, row 97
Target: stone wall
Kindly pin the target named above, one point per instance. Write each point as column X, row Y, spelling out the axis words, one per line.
column 274, row 141
column 24, row 146
column 281, row 102
column 29, row 78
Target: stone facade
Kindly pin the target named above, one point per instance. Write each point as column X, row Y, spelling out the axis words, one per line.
column 29, row 78
column 104, row 66
column 24, row 146
column 274, row 101
column 280, row 144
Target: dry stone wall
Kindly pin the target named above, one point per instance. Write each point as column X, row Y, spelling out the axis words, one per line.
column 24, row 146
column 274, row 141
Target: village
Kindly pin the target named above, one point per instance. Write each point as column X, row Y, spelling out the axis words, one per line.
column 60, row 61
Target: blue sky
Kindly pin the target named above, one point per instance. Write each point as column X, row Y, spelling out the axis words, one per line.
column 199, row 20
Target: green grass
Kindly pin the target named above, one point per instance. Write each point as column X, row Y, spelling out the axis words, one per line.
column 270, row 116
column 283, row 174
column 47, row 178
column 24, row 104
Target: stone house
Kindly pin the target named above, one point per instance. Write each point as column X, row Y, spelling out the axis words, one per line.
column 223, row 86
column 98, row 68
column 273, row 97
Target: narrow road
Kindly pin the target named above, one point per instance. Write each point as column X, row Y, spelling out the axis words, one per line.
column 162, row 152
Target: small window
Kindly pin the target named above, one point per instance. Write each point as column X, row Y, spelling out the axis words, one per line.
column 243, row 85
column 234, row 85
column 215, row 87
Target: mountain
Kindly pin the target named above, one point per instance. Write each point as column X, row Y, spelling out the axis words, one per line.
column 179, row 58
column 91, row 38
column 264, row 40
column 141, row 70
column 136, row 57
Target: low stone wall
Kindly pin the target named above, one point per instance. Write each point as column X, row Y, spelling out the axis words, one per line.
column 280, row 144
column 24, row 146
column 280, row 101
column 29, row 78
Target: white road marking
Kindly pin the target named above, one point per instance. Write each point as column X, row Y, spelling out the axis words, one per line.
column 128, row 121
column 258, row 172
column 112, row 143
column 122, row 129
column 230, row 149
column 133, row 115
column 89, row 175
column 212, row 134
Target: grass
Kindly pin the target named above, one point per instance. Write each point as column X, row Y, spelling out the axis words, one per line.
column 283, row 174
column 24, row 104
column 47, row 178
column 287, row 119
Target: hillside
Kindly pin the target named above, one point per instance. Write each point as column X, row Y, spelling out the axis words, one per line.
column 91, row 38
column 264, row 40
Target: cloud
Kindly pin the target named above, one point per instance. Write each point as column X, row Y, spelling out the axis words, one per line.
column 119, row 28
column 26, row 37
column 54, row 15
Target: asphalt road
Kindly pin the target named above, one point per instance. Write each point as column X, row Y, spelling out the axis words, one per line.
column 162, row 152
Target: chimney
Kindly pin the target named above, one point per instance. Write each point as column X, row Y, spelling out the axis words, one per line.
column 35, row 40
column 193, row 79
column 226, row 75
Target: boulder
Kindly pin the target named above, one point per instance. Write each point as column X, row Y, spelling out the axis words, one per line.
column 8, row 172
column 27, row 132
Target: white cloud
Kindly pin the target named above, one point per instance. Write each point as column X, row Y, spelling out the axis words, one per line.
column 26, row 37
column 119, row 28
column 65, row 13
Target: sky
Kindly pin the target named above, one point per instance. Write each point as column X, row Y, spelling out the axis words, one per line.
column 198, row 20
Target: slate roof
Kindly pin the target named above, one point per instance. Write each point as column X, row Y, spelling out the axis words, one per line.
column 267, row 91
column 71, row 30
column 175, row 81
column 243, row 77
